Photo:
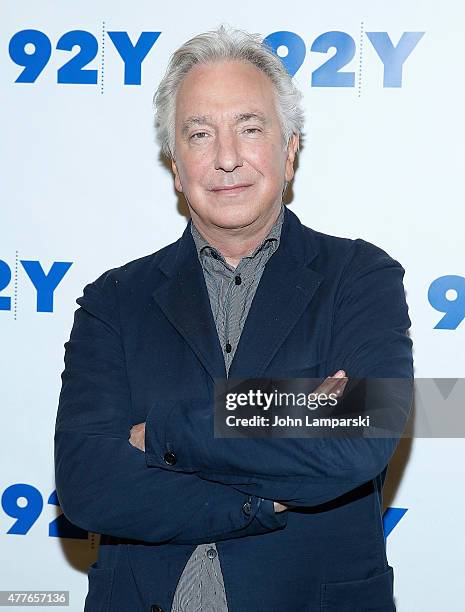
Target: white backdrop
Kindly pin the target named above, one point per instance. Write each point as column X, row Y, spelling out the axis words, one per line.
column 83, row 190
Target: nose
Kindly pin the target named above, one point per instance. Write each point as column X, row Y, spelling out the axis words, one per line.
column 228, row 155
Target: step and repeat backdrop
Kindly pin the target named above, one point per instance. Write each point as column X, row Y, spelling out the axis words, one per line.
column 84, row 189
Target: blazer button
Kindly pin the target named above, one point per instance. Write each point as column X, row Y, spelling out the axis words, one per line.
column 247, row 508
column 170, row 459
column 156, row 608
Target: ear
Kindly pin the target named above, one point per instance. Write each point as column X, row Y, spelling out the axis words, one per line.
column 177, row 181
column 292, row 148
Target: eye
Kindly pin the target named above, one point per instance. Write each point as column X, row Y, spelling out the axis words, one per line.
column 198, row 135
column 252, row 130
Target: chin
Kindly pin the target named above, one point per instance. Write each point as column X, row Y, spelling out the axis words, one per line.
column 237, row 216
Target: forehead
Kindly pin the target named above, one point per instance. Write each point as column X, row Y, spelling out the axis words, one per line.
column 225, row 88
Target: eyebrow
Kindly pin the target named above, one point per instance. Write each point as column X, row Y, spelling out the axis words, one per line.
column 206, row 120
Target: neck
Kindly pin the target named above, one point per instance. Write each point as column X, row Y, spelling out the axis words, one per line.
column 235, row 243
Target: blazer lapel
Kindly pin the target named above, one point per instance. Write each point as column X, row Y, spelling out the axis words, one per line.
column 286, row 288
column 184, row 300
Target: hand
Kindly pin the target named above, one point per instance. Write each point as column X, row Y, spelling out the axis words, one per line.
column 333, row 384
column 137, row 436
column 278, row 507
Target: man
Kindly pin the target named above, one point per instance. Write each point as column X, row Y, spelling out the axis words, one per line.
column 190, row 521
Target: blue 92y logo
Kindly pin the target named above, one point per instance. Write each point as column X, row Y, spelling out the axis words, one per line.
column 292, row 50
column 74, row 69
column 25, row 503
column 44, row 283
column 447, row 294
column 32, row 50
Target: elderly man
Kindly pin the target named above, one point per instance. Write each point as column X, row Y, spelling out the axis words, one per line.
column 190, row 521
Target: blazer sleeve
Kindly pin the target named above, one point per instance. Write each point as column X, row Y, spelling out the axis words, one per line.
column 369, row 340
column 104, row 484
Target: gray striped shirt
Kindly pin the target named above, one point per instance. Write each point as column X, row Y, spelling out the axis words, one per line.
column 231, row 291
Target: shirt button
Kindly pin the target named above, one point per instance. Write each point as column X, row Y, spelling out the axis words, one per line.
column 211, row 553
column 228, row 347
column 237, row 280
column 247, row 508
column 170, row 458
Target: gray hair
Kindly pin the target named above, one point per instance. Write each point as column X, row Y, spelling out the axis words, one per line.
column 225, row 45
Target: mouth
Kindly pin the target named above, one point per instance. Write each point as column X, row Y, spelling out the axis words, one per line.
column 231, row 190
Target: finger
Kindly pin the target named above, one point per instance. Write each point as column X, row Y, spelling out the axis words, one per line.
column 139, row 428
column 331, row 382
column 339, row 388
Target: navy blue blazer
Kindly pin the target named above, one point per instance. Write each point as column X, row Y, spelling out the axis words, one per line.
column 144, row 347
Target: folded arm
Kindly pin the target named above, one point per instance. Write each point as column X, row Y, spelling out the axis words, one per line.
column 103, row 483
column 369, row 340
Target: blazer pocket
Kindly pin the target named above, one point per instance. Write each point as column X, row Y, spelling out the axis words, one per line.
column 373, row 594
column 100, row 588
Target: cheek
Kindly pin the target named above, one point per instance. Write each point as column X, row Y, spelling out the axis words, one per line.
column 192, row 172
column 269, row 161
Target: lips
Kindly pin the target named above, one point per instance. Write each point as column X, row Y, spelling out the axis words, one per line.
column 231, row 188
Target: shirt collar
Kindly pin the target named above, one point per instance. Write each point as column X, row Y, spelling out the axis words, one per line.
column 205, row 248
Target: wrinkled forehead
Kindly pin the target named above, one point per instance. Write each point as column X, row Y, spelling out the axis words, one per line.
column 233, row 91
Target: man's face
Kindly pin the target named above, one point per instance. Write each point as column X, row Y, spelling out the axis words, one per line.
column 231, row 162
